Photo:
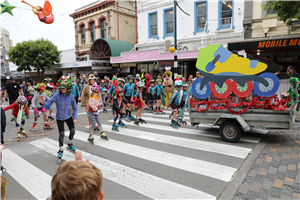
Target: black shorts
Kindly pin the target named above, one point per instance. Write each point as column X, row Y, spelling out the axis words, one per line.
column 150, row 97
column 182, row 104
column 157, row 97
column 128, row 99
column 174, row 106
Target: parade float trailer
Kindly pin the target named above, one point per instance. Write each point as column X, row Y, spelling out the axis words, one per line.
column 229, row 79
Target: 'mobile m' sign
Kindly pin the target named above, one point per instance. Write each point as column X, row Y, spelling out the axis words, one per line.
column 279, row 43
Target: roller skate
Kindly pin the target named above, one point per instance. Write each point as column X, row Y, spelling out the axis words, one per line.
column 115, row 127
column 162, row 112
column 22, row 131
column 91, row 139
column 51, row 118
column 156, row 112
column 18, row 136
column 104, row 136
column 128, row 119
column 121, row 124
column 150, row 110
column 142, row 121
column 104, row 110
column 48, row 126
column 132, row 118
column 59, row 155
column 180, row 121
column 71, row 148
column 174, row 124
column 32, row 126
column 137, row 122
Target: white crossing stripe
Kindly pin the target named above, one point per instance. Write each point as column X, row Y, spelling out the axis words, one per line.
column 168, row 112
column 34, row 180
column 143, row 183
column 225, row 149
column 205, row 168
column 163, row 116
column 188, row 131
column 166, row 120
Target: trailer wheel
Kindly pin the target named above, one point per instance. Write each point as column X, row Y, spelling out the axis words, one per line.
column 230, row 131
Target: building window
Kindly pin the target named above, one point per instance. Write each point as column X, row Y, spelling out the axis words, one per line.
column 225, row 14
column 103, row 28
column 200, row 16
column 168, row 22
column 271, row 12
column 93, row 31
column 82, row 27
column 152, row 25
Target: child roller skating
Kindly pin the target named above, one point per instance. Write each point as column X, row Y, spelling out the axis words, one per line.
column 63, row 101
column 151, row 96
column 37, row 107
column 117, row 109
column 139, row 103
column 159, row 91
column 128, row 96
column 183, row 104
column 20, row 109
column 95, row 102
column 49, row 92
column 175, row 103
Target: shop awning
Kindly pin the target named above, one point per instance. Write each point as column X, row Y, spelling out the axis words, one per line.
column 106, row 48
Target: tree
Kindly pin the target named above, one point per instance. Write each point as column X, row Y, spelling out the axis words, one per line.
column 37, row 55
column 287, row 11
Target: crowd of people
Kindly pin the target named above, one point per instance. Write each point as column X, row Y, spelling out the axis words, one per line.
column 120, row 94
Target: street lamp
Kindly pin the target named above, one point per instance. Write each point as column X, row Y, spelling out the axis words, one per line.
column 175, row 33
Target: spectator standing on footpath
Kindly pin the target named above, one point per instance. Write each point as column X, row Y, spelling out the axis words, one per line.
column 12, row 89
column 24, row 88
column 291, row 71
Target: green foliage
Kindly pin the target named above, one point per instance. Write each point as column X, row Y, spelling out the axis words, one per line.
column 287, row 11
column 38, row 54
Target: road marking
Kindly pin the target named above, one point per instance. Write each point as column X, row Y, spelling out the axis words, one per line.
column 143, row 183
column 225, row 149
column 205, row 168
column 170, row 111
column 154, row 119
column 34, row 180
column 163, row 116
column 189, row 131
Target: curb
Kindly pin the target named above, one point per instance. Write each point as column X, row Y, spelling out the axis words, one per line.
column 236, row 182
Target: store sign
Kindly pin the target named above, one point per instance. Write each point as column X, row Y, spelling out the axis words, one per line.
column 166, row 63
column 279, row 43
column 101, row 64
column 152, row 55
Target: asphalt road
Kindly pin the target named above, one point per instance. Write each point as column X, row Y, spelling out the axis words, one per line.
column 150, row 161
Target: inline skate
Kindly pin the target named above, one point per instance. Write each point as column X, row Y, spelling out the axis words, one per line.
column 104, row 136
column 91, row 139
column 51, row 118
column 121, row 124
column 174, row 124
column 115, row 127
column 59, row 155
column 132, row 118
column 32, row 126
column 127, row 119
column 137, row 122
column 104, row 110
column 142, row 121
column 48, row 126
column 71, row 148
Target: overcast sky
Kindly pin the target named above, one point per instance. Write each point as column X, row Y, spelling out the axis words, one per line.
column 25, row 25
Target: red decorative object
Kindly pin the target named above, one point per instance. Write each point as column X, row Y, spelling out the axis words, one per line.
column 229, row 102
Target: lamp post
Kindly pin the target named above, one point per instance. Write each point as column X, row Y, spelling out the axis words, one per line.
column 175, row 33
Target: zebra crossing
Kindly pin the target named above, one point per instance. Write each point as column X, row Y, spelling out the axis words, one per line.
column 150, row 161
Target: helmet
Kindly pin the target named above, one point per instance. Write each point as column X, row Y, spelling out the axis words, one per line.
column 91, row 76
column 159, row 80
column 114, row 78
column 30, row 89
column 102, row 82
column 95, row 88
column 121, row 81
column 140, row 84
column 152, row 81
column 119, row 90
column 50, row 85
column 34, row 87
column 65, row 82
column 22, row 100
column 130, row 77
column 40, row 86
column 104, row 90
column 86, row 80
column 47, row 79
column 178, row 83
